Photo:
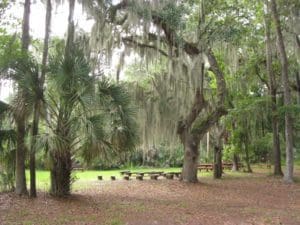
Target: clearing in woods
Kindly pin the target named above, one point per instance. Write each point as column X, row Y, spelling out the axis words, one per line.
column 236, row 199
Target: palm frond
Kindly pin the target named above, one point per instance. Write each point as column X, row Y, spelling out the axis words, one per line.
column 7, row 138
column 4, row 108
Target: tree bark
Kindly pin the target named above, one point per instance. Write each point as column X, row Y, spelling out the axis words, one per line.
column 207, row 145
column 218, row 134
column 61, row 161
column 46, row 42
column 21, row 188
column 32, row 150
column 247, row 158
column 37, row 105
column 218, row 170
column 288, row 176
column 272, row 91
column 61, row 173
column 190, row 163
column 25, row 26
column 298, row 85
column 71, row 29
column 235, row 163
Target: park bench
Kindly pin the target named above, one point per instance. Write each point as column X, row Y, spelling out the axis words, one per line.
column 129, row 173
column 227, row 165
column 77, row 167
column 170, row 176
column 139, row 177
column 126, row 177
column 207, row 167
column 124, row 172
column 176, row 174
column 155, row 172
column 154, row 176
column 210, row 166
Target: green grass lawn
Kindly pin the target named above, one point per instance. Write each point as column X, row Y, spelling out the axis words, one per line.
column 84, row 178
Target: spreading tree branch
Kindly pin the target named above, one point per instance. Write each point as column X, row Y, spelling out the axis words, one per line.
column 130, row 41
column 201, row 126
column 192, row 50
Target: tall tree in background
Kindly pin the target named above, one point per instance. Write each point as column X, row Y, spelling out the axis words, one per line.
column 273, row 91
column 288, row 176
column 21, row 188
column 39, row 101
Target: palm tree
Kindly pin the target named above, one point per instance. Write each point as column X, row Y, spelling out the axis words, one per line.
column 38, row 104
column 21, row 188
column 23, row 70
column 83, row 117
column 7, row 150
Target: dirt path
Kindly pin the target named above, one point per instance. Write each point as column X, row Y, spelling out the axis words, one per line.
column 255, row 199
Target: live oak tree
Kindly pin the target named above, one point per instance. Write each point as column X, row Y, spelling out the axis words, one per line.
column 168, row 42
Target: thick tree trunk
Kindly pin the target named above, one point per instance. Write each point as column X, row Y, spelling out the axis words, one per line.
column 288, row 177
column 71, row 29
column 32, row 150
column 25, row 26
column 247, row 158
column 218, row 170
column 276, row 144
column 272, row 90
column 295, row 24
column 36, row 115
column 61, row 173
column 46, row 41
column 235, row 163
column 298, row 85
column 21, row 188
column 207, row 145
column 190, row 163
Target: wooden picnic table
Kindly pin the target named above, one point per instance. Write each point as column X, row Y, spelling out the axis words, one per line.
column 152, row 174
column 129, row 173
column 210, row 166
column 205, row 166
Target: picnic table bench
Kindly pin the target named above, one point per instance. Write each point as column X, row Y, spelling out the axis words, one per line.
column 129, row 173
column 205, row 166
column 152, row 174
column 210, row 166
column 78, row 168
column 176, row 174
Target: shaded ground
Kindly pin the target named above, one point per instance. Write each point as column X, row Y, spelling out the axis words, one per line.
column 251, row 199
